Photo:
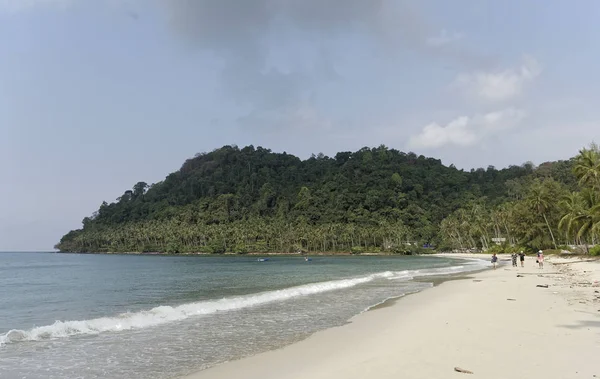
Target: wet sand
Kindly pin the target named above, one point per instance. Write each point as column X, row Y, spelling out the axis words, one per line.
column 494, row 323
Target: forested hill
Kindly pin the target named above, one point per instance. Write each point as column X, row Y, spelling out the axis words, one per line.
column 252, row 199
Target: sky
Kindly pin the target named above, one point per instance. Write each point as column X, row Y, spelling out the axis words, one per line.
column 96, row 95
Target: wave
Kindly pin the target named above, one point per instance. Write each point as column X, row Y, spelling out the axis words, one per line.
column 167, row 314
column 468, row 266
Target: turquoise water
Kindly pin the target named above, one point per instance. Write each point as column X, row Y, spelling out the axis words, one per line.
column 123, row 316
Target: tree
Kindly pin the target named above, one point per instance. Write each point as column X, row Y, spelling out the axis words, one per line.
column 378, row 199
column 542, row 198
column 588, row 219
column 587, row 167
column 572, row 206
column 139, row 189
column 304, row 199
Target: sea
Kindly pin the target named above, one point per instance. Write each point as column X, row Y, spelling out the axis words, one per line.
column 152, row 316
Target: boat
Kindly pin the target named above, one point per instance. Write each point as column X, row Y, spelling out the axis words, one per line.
column 263, row 259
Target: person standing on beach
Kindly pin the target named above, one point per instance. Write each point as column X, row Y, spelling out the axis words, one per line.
column 522, row 258
column 541, row 259
column 494, row 260
column 514, row 259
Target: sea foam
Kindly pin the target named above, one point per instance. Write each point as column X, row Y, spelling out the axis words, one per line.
column 167, row 314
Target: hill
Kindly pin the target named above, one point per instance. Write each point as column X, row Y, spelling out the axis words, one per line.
column 255, row 200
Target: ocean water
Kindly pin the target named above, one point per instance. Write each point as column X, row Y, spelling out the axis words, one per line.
column 132, row 317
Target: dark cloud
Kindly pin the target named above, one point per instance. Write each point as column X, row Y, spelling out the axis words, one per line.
column 240, row 26
column 228, row 27
column 240, row 32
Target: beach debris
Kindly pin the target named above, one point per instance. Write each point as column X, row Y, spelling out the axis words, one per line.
column 477, row 280
column 542, row 285
column 458, row 369
column 512, row 299
column 520, row 276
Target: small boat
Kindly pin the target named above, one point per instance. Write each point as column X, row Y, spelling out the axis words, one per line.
column 263, row 259
column 307, row 259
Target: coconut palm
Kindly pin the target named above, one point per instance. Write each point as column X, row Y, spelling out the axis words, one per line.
column 540, row 199
column 588, row 219
column 573, row 206
column 587, row 167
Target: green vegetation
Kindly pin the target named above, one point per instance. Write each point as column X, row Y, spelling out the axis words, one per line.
column 559, row 204
column 373, row 200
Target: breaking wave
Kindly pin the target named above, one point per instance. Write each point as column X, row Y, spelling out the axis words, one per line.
column 166, row 314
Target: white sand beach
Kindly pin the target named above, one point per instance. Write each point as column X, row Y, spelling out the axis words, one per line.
column 494, row 323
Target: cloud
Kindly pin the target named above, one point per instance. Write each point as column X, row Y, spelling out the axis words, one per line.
column 444, row 38
column 456, row 132
column 500, row 120
column 241, row 33
column 466, row 131
column 232, row 24
column 245, row 34
column 498, row 86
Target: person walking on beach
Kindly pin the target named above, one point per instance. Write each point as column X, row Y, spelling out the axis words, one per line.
column 541, row 259
column 522, row 258
column 514, row 259
column 494, row 260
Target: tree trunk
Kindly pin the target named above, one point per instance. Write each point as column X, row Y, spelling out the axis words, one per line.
column 460, row 240
column 508, row 235
column 550, row 230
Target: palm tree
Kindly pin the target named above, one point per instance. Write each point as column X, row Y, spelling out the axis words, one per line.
column 505, row 213
column 587, row 167
column 450, row 229
column 541, row 200
column 589, row 217
column 573, row 206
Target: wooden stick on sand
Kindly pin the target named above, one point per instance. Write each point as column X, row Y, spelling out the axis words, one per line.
column 458, row 369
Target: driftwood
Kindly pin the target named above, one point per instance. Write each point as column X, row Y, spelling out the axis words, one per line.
column 542, row 285
column 512, row 299
column 458, row 369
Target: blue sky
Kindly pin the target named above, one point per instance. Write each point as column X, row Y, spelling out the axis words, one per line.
column 96, row 95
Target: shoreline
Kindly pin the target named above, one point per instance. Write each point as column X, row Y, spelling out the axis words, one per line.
column 457, row 255
column 435, row 281
column 253, row 254
column 475, row 320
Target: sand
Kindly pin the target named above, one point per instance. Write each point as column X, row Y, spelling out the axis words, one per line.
column 492, row 323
